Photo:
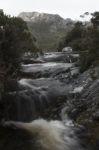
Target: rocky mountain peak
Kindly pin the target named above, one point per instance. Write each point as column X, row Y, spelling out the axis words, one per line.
column 36, row 17
column 47, row 28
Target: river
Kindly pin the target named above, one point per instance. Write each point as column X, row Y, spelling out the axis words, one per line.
column 42, row 91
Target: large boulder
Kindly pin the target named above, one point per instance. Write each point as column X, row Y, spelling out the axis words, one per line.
column 67, row 49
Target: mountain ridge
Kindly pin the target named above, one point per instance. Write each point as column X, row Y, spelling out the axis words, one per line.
column 47, row 28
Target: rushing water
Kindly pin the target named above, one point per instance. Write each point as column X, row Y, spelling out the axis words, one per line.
column 41, row 86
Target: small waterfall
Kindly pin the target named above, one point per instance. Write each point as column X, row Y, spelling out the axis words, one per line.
column 40, row 86
column 39, row 91
column 45, row 135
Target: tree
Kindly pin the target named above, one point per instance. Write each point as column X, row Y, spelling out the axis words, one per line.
column 15, row 39
column 85, row 39
column 95, row 19
column 73, row 37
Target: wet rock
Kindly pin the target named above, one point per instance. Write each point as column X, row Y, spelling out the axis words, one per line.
column 67, row 49
column 95, row 116
column 31, row 61
column 44, row 70
column 60, row 57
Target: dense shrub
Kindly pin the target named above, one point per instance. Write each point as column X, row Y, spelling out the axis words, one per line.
column 15, row 39
column 84, row 37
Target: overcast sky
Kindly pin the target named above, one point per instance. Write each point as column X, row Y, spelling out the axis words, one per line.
column 65, row 8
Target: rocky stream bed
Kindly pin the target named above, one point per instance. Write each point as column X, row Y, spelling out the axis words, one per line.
column 51, row 87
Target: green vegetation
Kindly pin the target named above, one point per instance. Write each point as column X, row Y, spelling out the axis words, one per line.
column 84, row 37
column 46, row 38
column 73, row 37
column 15, row 40
column 49, row 30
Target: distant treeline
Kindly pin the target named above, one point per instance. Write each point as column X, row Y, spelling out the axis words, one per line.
column 84, row 37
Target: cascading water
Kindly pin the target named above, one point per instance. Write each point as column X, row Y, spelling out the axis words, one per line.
column 39, row 89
